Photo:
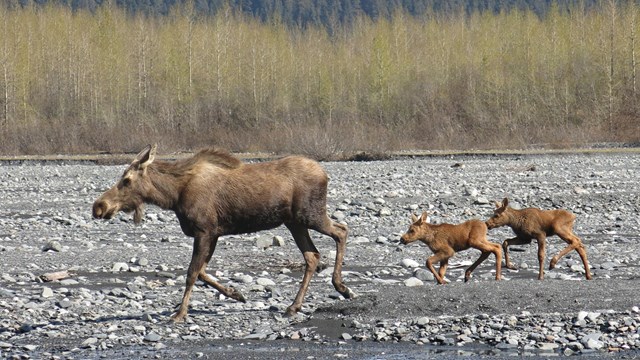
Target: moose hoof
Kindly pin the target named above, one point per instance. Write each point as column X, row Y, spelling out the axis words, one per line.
column 178, row 318
column 291, row 311
column 236, row 295
column 552, row 263
column 510, row 266
column 348, row 293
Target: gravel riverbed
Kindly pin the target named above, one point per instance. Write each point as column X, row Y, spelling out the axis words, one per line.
column 125, row 280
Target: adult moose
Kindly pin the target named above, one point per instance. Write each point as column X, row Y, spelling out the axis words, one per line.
column 214, row 194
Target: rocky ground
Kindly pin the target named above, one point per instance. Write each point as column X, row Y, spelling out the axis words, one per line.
column 124, row 280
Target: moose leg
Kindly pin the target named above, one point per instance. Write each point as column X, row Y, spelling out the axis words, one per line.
column 444, row 264
column 339, row 234
column 505, row 246
column 542, row 243
column 201, row 248
column 438, row 257
column 311, row 258
column 574, row 243
column 226, row 291
column 483, row 256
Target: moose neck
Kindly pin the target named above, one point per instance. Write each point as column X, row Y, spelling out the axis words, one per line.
column 516, row 219
column 166, row 185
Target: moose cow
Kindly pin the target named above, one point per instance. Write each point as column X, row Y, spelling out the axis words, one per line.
column 532, row 223
column 213, row 194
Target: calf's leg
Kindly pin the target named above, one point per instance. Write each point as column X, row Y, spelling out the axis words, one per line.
column 542, row 243
column 438, row 257
column 483, row 256
column 444, row 264
column 574, row 243
column 505, row 247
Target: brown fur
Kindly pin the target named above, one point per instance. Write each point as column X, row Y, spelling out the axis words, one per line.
column 532, row 223
column 215, row 194
column 447, row 239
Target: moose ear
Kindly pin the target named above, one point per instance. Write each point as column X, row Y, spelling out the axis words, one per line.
column 505, row 202
column 424, row 218
column 145, row 157
column 414, row 218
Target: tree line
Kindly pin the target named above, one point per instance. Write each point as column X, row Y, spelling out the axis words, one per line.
column 325, row 13
column 75, row 81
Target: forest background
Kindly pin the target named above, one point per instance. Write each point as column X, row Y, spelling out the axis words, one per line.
column 322, row 78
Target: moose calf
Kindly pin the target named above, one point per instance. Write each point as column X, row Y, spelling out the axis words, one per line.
column 447, row 239
column 532, row 223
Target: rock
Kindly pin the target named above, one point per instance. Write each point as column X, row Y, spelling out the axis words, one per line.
column 65, row 303
column 278, row 241
column 384, row 212
column 580, row 191
column 469, row 191
column 545, row 346
column 52, row 245
column 68, row 282
column 30, row 347
column 46, row 292
column 166, row 274
column 423, row 274
column 256, row 336
column 413, row 281
column 338, row 215
column 265, row 282
column 90, row 342
column 264, row 242
column 152, row 337
column 592, row 341
column 382, row 240
column 142, row 262
column 242, row 278
column 409, row 263
column 346, row 336
column 119, row 266
column 358, row 240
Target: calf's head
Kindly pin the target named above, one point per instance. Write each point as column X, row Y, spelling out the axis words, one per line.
column 129, row 192
column 500, row 215
column 416, row 229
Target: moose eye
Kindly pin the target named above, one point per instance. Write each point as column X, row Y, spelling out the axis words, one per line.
column 126, row 182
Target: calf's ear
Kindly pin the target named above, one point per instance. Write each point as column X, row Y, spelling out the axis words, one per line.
column 414, row 218
column 424, row 217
